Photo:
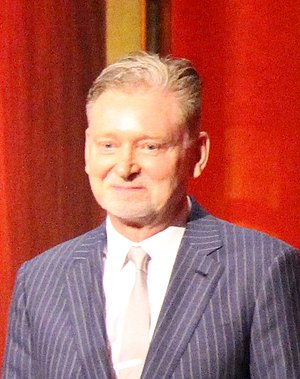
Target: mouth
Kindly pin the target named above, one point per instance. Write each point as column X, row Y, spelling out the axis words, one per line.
column 128, row 188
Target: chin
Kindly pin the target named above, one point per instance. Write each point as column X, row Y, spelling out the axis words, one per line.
column 135, row 217
column 131, row 214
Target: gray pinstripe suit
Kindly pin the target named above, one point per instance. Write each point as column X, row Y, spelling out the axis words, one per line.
column 232, row 309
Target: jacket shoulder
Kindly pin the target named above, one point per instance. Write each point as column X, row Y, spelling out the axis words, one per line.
column 246, row 235
column 62, row 253
column 235, row 238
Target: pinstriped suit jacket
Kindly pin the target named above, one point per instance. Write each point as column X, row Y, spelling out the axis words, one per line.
column 232, row 309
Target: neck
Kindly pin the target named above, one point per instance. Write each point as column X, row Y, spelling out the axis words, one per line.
column 139, row 231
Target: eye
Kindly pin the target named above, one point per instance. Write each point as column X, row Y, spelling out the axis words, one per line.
column 152, row 148
column 106, row 146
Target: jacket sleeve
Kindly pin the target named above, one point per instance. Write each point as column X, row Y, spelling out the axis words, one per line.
column 275, row 332
column 18, row 358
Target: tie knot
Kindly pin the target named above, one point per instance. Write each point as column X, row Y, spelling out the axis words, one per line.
column 139, row 257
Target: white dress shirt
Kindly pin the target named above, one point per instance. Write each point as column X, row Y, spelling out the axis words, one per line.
column 119, row 277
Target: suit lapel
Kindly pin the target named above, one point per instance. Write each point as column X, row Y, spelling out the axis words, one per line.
column 193, row 281
column 86, row 304
column 194, row 278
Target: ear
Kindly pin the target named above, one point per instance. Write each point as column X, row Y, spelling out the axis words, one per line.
column 87, row 149
column 202, row 148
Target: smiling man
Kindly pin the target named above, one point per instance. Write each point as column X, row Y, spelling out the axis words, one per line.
column 161, row 289
column 139, row 157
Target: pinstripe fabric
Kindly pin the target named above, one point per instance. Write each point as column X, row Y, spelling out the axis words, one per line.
column 57, row 327
column 232, row 310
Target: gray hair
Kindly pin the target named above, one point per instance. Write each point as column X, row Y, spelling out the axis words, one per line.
column 141, row 69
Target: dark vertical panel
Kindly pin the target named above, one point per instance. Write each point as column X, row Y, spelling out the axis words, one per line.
column 49, row 57
column 158, row 26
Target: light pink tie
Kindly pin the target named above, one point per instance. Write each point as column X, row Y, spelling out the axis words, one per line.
column 135, row 338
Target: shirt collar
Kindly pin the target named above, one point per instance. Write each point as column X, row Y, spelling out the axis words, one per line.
column 117, row 245
column 157, row 246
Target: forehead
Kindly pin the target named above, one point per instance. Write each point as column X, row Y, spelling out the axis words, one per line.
column 139, row 95
column 152, row 108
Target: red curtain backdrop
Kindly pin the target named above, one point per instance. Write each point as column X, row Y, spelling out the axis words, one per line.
column 249, row 55
column 49, row 55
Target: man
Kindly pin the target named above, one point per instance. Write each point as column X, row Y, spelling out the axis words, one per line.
column 223, row 301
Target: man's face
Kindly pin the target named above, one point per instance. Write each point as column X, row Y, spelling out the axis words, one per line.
column 137, row 156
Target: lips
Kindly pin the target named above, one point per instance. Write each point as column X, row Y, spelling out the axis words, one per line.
column 128, row 188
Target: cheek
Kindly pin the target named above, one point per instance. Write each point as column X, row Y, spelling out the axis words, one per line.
column 158, row 173
column 99, row 167
column 175, row 177
column 159, row 168
column 163, row 176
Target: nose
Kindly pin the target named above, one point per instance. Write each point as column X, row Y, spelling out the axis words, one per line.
column 126, row 166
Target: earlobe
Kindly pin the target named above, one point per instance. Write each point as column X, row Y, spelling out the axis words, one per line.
column 203, row 153
column 197, row 171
